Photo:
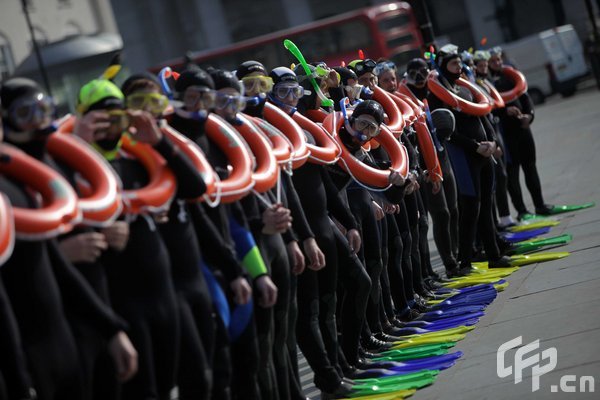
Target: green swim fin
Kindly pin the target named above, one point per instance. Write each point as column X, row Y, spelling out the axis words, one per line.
column 536, row 244
column 399, row 395
column 571, row 207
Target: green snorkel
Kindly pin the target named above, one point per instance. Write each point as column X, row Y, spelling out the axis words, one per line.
column 288, row 44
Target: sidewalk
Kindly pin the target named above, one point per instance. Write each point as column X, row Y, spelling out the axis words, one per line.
column 557, row 302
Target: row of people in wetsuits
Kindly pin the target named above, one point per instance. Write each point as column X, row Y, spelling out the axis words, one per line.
column 126, row 311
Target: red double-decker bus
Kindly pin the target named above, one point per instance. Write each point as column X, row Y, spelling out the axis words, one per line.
column 388, row 30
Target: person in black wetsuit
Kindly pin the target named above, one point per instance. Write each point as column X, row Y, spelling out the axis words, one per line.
column 139, row 275
column 257, row 84
column 316, row 328
column 45, row 290
column 470, row 148
column 480, row 59
column 442, row 204
column 15, row 379
column 196, row 312
column 195, row 88
column 270, row 226
column 515, row 121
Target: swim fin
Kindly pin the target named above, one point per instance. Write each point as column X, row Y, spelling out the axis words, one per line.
column 527, row 226
column 526, row 259
column 536, row 244
column 428, row 340
column 398, row 395
column 525, row 235
column 559, row 209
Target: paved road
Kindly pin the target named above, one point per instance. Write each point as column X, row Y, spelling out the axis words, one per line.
column 557, row 302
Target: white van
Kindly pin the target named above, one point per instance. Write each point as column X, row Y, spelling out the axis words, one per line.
column 552, row 61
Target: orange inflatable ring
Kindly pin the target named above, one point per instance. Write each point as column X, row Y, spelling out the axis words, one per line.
column 479, row 107
column 405, row 90
column 492, row 93
column 417, row 106
column 281, row 146
column 291, row 130
column 100, row 202
column 158, row 194
column 361, row 172
column 327, row 150
column 317, row 115
column 266, row 172
column 59, row 212
column 394, row 117
column 196, row 156
column 408, row 113
column 239, row 182
column 7, row 229
column 427, row 150
column 520, row 84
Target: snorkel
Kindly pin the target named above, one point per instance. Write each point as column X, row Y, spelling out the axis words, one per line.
column 358, row 135
column 163, row 77
column 288, row 44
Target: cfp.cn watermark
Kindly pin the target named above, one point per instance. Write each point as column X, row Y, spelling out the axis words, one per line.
column 541, row 363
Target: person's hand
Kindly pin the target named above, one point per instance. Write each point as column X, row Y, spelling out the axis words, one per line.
column 485, row 149
column 117, row 235
column 390, row 208
column 498, row 153
column 83, row 247
column 267, row 291
column 277, row 219
column 436, row 186
column 144, row 127
column 315, row 256
column 241, row 290
column 525, row 120
column 413, row 184
column 296, row 257
column 513, row 111
column 395, row 178
column 332, row 79
column 377, row 210
column 353, row 240
column 87, row 125
column 124, row 356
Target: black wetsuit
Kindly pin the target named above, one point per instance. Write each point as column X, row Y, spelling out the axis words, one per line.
column 520, row 148
column 141, row 285
column 475, row 179
column 316, row 328
column 235, row 365
column 443, row 206
column 43, row 288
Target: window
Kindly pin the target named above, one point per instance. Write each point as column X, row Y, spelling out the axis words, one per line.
column 6, row 58
column 397, row 21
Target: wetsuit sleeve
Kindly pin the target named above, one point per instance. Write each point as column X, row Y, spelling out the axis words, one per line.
column 336, row 206
column 253, row 211
column 79, row 297
column 217, row 250
column 190, row 184
column 490, row 132
column 527, row 105
column 300, row 223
